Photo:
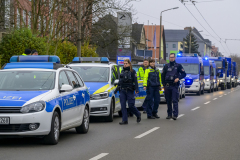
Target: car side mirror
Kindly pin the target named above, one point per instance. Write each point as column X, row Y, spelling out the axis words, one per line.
column 66, row 88
column 116, row 82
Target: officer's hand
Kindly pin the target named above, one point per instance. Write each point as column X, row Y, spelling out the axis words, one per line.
column 176, row 80
column 145, row 88
column 137, row 92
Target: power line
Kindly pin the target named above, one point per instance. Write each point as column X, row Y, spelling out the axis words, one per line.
column 204, row 27
column 163, row 20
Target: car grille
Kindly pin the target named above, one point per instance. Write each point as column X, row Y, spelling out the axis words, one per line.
column 10, row 109
column 15, row 128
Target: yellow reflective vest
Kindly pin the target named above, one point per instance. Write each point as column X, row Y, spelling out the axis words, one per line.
column 152, row 77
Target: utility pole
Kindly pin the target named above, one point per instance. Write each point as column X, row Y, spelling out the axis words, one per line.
column 79, row 29
column 190, row 41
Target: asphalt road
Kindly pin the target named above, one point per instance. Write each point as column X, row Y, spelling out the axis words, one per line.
column 208, row 128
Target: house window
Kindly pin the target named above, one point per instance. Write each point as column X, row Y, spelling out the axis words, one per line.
column 174, row 45
column 166, row 54
column 24, row 17
column 7, row 14
column 166, row 45
column 18, row 17
column 29, row 19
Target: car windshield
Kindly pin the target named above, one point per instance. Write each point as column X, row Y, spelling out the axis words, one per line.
column 27, row 80
column 218, row 64
column 93, row 74
column 136, row 68
column 206, row 70
column 190, row 68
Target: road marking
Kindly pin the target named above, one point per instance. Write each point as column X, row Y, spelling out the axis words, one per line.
column 215, row 99
column 195, row 108
column 178, row 116
column 148, row 132
column 99, row 156
column 225, row 94
column 207, row 102
column 221, row 96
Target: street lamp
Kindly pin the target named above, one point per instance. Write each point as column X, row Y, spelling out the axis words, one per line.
column 160, row 38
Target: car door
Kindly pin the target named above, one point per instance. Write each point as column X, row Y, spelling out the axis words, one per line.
column 114, row 76
column 65, row 97
column 72, row 107
column 81, row 98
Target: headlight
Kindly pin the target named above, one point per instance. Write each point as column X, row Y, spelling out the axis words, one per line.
column 232, row 79
column 221, row 80
column 196, row 80
column 33, row 107
column 99, row 96
column 207, row 80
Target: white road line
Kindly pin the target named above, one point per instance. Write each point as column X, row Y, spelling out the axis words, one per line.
column 99, row 156
column 195, row 108
column 220, row 96
column 207, row 102
column 148, row 132
column 225, row 94
column 215, row 99
column 178, row 116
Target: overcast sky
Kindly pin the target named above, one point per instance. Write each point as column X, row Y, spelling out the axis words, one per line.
column 223, row 17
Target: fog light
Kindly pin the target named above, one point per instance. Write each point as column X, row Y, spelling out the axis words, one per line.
column 33, row 126
column 103, row 109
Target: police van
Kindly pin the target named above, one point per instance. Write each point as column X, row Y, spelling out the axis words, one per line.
column 215, row 78
column 208, row 75
column 39, row 97
column 101, row 80
column 193, row 66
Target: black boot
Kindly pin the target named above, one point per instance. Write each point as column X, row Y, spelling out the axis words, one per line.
column 155, row 115
column 168, row 117
column 139, row 118
column 151, row 117
column 174, row 118
column 123, row 122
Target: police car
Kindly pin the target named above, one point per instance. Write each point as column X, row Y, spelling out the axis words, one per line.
column 101, row 80
column 39, row 97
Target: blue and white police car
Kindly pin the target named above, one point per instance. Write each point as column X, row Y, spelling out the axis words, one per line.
column 101, row 80
column 39, row 97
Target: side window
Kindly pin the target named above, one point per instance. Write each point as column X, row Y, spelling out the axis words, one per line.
column 62, row 79
column 114, row 74
column 73, row 79
column 79, row 79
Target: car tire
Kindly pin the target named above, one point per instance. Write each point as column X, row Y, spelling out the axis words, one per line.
column 53, row 137
column 84, row 127
column 109, row 118
column 199, row 92
column 184, row 95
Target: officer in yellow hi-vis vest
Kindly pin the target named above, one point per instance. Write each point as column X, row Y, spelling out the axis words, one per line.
column 27, row 52
column 152, row 83
column 140, row 76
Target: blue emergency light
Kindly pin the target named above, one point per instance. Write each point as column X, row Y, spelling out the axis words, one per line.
column 179, row 55
column 90, row 59
column 41, row 58
column 188, row 81
column 41, row 62
column 206, row 58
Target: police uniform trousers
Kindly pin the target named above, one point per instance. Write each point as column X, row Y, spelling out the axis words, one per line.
column 128, row 95
column 144, row 106
column 152, row 100
column 171, row 95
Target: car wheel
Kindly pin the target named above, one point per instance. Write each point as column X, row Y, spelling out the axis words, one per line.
column 199, row 92
column 110, row 117
column 184, row 95
column 83, row 128
column 53, row 137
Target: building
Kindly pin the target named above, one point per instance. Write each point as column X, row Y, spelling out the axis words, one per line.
column 174, row 41
column 58, row 19
column 149, row 31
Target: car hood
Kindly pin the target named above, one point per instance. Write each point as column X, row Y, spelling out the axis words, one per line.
column 97, row 87
column 192, row 76
column 19, row 98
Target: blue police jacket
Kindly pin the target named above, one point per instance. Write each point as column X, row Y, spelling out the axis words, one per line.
column 131, row 83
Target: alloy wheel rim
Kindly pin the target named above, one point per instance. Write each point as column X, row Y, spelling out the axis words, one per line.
column 86, row 119
column 56, row 128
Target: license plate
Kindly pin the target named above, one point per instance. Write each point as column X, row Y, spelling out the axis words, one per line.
column 4, row 120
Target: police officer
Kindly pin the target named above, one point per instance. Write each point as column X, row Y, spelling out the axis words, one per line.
column 127, row 84
column 27, row 52
column 140, row 74
column 171, row 74
column 152, row 83
column 34, row 52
